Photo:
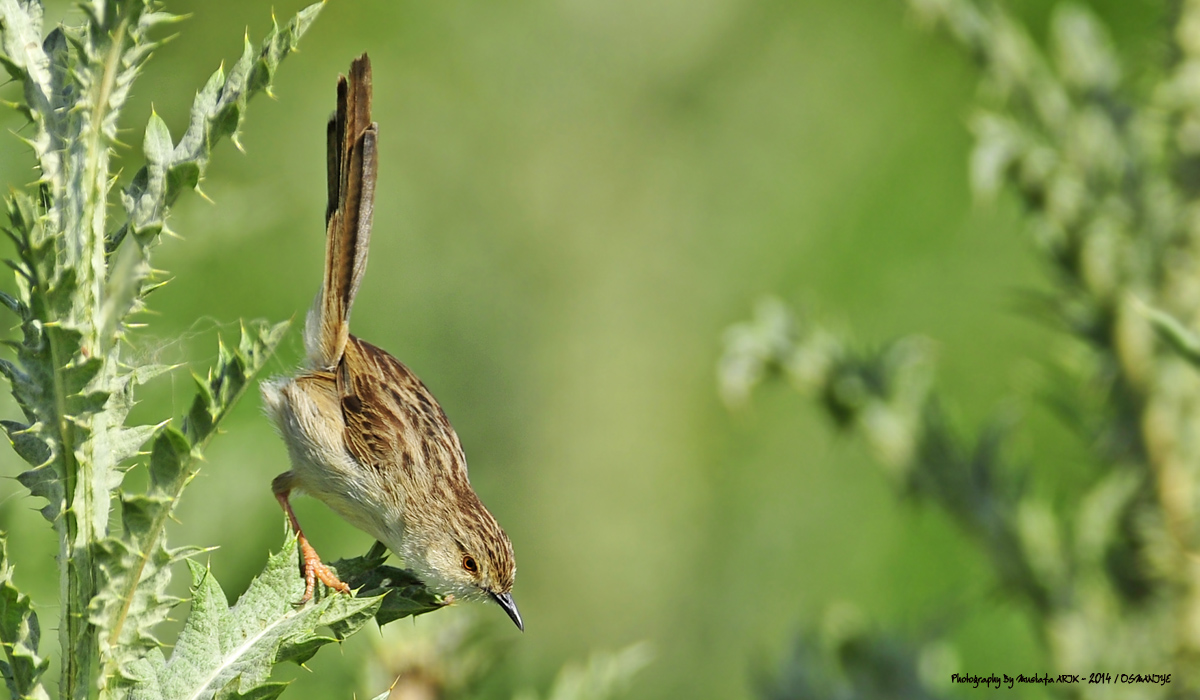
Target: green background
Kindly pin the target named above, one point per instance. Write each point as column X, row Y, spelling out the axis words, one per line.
column 575, row 199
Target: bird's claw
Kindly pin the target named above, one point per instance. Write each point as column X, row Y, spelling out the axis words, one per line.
column 314, row 570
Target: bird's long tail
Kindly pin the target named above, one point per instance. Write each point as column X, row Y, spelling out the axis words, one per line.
column 352, row 163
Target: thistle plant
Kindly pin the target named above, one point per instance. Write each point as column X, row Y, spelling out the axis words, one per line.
column 1103, row 159
column 81, row 279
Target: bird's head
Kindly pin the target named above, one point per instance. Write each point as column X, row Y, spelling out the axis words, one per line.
column 469, row 555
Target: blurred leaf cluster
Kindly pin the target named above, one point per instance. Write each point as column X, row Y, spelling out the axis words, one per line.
column 1103, row 158
column 458, row 659
column 846, row 659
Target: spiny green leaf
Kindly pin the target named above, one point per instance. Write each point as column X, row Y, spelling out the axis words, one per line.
column 168, row 461
column 26, row 391
column 26, row 61
column 20, row 634
column 135, row 567
column 405, row 595
column 58, row 295
column 45, row 481
column 76, row 377
column 217, row 112
column 63, row 90
column 116, row 63
column 83, row 404
column 157, row 145
column 199, row 419
column 266, row 691
column 141, row 680
column 184, row 175
column 226, row 382
column 143, row 19
column 15, row 305
column 257, row 343
column 124, row 443
column 27, row 442
column 228, row 652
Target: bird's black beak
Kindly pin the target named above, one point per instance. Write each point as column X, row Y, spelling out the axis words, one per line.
column 505, row 600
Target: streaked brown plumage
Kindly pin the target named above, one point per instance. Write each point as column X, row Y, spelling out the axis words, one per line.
column 364, row 435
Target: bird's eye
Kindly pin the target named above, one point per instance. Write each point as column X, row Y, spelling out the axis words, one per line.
column 469, row 564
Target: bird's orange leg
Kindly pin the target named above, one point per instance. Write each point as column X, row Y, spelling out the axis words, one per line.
column 314, row 568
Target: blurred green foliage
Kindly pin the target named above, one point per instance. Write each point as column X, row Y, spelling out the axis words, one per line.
column 1101, row 154
column 575, row 199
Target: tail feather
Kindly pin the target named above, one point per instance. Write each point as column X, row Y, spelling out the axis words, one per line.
column 352, row 163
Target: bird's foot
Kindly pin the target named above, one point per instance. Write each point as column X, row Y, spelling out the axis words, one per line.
column 314, row 570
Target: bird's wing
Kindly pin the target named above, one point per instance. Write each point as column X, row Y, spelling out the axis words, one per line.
column 393, row 421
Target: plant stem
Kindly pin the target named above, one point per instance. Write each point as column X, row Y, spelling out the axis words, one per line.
column 86, row 480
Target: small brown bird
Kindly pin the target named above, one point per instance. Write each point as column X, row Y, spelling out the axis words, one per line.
column 364, row 435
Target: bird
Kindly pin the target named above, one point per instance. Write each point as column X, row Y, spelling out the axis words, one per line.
column 364, row 434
